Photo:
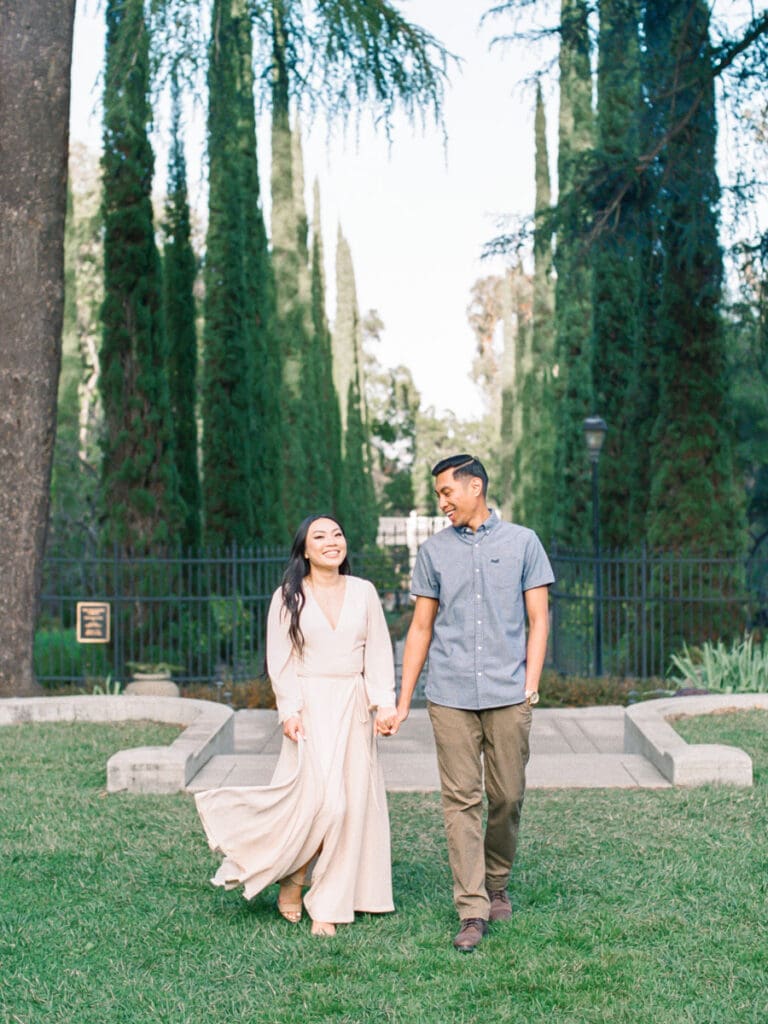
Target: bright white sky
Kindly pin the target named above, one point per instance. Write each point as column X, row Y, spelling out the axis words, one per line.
column 416, row 214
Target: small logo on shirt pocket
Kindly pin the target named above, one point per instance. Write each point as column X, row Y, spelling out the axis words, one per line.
column 503, row 574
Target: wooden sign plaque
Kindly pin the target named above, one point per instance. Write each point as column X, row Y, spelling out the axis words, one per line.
column 93, row 622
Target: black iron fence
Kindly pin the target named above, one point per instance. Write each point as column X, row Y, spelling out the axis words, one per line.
column 205, row 614
column 202, row 614
column 647, row 605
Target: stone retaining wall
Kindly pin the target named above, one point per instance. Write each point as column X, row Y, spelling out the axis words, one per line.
column 647, row 731
column 209, row 729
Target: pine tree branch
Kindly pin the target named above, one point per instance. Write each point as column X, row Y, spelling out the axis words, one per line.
column 734, row 48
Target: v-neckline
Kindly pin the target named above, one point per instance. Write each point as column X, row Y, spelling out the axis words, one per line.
column 331, row 626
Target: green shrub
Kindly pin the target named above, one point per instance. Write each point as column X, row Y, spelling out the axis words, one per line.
column 59, row 658
column 560, row 691
column 740, row 668
column 388, row 568
column 248, row 693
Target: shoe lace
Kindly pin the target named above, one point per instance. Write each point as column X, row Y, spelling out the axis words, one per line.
column 472, row 922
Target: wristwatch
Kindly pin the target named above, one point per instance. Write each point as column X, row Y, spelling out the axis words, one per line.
column 532, row 696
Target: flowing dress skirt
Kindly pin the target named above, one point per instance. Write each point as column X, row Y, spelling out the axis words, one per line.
column 327, row 794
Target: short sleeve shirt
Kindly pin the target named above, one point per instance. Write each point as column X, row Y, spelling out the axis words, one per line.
column 478, row 649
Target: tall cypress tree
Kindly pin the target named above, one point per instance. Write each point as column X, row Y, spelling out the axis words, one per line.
column 694, row 503
column 358, row 498
column 227, row 362
column 241, row 461
column 618, row 259
column 328, row 401
column 573, row 362
column 292, row 317
column 139, row 472
column 317, row 485
column 285, row 231
column 301, row 222
column 517, row 392
column 539, row 412
column 347, row 328
column 259, row 313
column 179, row 272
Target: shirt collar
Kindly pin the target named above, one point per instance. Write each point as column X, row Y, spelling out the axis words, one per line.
column 483, row 528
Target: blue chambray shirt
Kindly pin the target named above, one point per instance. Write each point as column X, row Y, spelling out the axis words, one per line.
column 477, row 654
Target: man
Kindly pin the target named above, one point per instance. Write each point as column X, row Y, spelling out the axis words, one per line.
column 475, row 583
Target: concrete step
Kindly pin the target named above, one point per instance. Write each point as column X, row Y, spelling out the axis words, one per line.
column 575, row 748
column 417, row 772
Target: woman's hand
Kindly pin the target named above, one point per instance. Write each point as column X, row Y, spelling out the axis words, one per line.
column 396, row 717
column 385, row 720
column 292, row 728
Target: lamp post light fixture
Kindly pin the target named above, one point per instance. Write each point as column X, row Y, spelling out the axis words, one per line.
column 595, row 430
column 594, row 434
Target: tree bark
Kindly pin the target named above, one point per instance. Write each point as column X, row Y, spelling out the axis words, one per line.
column 35, row 60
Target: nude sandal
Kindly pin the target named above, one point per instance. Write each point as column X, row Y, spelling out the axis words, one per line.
column 289, row 907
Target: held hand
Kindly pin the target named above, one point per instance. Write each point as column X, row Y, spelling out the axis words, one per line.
column 402, row 714
column 292, row 728
column 385, row 719
column 399, row 716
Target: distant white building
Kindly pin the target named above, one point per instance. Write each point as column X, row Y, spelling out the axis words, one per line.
column 408, row 531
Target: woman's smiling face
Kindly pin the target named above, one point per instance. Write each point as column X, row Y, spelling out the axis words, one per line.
column 325, row 546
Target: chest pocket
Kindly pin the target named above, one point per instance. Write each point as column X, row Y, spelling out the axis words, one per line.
column 502, row 575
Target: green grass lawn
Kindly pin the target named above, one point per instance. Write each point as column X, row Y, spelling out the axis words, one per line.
column 644, row 907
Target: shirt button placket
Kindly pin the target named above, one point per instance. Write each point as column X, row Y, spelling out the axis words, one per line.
column 477, row 581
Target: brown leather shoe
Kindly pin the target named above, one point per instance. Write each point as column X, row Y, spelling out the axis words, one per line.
column 471, row 934
column 501, row 908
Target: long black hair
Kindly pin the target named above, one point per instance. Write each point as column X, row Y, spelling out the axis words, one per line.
column 292, row 587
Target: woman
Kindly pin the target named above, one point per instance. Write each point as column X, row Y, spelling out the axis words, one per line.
column 329, row 658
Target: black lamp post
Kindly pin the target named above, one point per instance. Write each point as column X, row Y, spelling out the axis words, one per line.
column 594, row 435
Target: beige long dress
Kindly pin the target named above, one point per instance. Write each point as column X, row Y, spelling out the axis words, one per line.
column 327, row 791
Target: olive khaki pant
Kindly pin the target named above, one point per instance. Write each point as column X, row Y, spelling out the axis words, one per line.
column 472, row 747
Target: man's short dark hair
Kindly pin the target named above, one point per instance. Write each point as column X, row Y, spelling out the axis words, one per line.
column 463, row 465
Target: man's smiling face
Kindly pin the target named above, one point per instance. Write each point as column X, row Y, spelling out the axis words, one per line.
column 460, row 498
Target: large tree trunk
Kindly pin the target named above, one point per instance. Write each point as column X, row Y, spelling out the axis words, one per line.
column 35, row 58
